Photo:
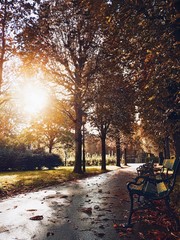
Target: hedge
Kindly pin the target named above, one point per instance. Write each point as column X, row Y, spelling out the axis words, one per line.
column 19, row 161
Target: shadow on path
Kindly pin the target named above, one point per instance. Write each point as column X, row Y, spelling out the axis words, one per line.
column 87, row 209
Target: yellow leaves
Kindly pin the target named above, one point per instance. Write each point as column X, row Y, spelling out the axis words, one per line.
column 142, row 23
column 149, row 51
column 147, row 86
column 109, row 19
column 151, row 98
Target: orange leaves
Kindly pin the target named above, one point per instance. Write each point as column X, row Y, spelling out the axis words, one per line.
column 115, row 225
column 122, row 230
column 149, row 56
column 153, row 225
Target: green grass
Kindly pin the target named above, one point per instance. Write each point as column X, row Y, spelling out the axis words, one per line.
column 12, row 183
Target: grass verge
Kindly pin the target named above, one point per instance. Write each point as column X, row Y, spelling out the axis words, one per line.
column 12, row 183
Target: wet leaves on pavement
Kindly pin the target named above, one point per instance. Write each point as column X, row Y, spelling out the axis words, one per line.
column 97, row 207
column 100, row 234
column 3, row 229
column 49, row 234
column 36, row 218
column 31, row 210
column 87, row 210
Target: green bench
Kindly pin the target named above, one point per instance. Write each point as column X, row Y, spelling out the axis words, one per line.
column 150, row 169
column 156, row 187
column 146, row 168
column 166, row 169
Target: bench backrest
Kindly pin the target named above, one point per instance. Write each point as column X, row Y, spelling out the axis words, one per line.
column 166, row 186
column 169, row 163
column 174, row 174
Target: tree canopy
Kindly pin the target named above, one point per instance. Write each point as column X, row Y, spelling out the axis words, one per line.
column 114, row 59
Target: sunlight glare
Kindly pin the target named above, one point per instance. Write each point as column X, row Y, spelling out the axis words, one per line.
column 34, row 99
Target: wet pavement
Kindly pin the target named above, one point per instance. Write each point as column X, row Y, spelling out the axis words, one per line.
column 83, row 209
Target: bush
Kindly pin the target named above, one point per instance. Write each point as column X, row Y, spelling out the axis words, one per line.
column 6, row 156
column 20, row 161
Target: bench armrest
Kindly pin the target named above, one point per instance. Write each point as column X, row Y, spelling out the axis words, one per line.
column 152, row 179
column 138, row 182
column 142, row 178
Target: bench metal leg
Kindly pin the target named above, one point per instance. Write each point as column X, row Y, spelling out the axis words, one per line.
column 171, row 213
column 129, row 224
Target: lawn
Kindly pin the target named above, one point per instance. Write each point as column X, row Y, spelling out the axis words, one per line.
column 12, row 183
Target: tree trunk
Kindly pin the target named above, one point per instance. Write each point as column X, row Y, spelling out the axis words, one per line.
column 51, row 143
column 176, row 138
column 65, row 157
column 1, row 76
column 103, row 152
column 118, row 152
column 3, row 44
column 50, row 148
column 125, row 156
column 78, row 140
column 166, row 148
column 83, row 152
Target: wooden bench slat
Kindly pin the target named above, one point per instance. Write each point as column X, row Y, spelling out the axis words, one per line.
column 161, row 188
column 169, row 164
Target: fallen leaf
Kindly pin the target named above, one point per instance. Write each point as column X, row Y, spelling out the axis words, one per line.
column 87, row 210
column 122, row 234
column 174, row 235
column 115, row 225
column 129, row 229
column 122, row 225
column 3, row 229
column 141, row 235
column 51, row 220
column 64, row 196
column 38, row 217
column 31, row 210
column 49, row 234
column 96, row 207
column 101, row 226
column 100, row 234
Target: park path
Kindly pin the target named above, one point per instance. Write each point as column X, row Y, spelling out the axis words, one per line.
column 78, row 210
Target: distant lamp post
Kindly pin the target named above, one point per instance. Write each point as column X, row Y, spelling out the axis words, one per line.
column 84, row 119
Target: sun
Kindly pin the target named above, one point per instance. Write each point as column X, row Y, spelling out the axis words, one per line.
column 34, row 98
